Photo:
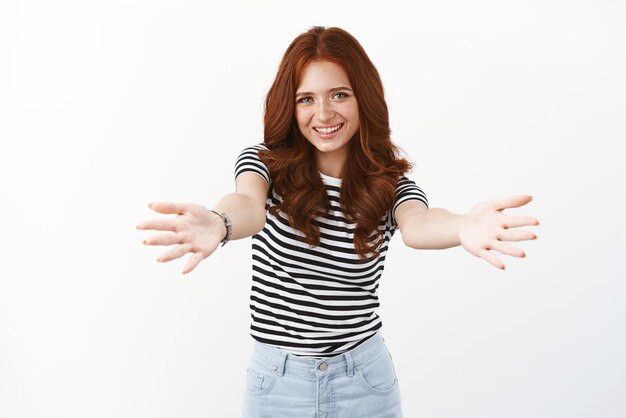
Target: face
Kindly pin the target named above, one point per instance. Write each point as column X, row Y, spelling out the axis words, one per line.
column 327, row 112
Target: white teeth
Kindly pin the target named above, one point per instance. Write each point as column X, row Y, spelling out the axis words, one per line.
column 326, row 131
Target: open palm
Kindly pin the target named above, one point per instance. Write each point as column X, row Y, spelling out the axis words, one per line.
column 485, row 228
column 196, row 229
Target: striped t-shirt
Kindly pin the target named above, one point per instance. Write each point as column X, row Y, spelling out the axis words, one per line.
column 315, row 301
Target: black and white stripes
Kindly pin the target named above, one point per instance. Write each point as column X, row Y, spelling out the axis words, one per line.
column 315, row 301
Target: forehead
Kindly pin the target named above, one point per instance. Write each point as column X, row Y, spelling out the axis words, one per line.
column 322, row 75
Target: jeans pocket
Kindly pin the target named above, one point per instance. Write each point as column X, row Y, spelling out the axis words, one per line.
column 377, row 375
column 259, row 382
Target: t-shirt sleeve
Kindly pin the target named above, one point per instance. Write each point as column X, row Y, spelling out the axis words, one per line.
column 405, row 191
column 248, row 161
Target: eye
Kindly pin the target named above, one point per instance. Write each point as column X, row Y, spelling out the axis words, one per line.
column 306, row 99
column 340, row 95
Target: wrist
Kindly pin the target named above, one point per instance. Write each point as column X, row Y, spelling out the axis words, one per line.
column 459, row 222
column 226, row 224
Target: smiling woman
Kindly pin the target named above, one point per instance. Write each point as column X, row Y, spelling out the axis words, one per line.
column 322, row 197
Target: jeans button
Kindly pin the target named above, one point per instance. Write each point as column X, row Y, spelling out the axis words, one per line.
column 323, row 366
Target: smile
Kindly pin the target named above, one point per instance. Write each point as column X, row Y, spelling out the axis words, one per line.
column 328, row 130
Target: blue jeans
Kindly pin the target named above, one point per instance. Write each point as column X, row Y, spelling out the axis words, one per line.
column 360, row 383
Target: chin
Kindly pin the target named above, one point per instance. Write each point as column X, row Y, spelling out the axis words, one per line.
column 329, row 148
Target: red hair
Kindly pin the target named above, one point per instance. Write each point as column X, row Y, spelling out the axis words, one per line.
column 371, row 172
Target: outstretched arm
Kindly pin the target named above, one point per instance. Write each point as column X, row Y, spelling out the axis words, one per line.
column 483, row 229
column 199, row 231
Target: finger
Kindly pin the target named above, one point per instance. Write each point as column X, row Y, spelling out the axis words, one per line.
column 518, row 220
column 164, row 239
column 514, row 201
column 173, row 254
column 504, row 248
column 491, row 258
column 193, row 262
column 515, row 235
column 169, row 207
column 159, row 224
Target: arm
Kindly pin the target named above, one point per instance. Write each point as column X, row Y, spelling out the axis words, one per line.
column 198, row 230
column 245, row 207
column 483, row 229
column 428, row 229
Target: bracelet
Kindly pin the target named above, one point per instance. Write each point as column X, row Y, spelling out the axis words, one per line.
column 227, row 223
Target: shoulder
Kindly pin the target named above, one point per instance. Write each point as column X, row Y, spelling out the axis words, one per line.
column 409, row 199
column 404, row 182
column 407, row 189
column 253, row 150
column 249, row 161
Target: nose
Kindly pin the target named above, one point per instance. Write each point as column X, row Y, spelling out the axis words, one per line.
column 325, row 111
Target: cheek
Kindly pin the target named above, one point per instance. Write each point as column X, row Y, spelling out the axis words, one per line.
column 354, row 119
column 301, row 118
column 355, row 116
column 350, row 111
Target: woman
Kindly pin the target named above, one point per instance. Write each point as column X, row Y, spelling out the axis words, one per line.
column 321, row 198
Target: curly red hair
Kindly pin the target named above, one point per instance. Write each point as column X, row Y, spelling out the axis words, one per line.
column 372, row 170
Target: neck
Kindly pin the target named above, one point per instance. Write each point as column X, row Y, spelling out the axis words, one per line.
column 331, row 165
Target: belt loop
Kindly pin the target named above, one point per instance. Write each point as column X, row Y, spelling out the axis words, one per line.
column 350, row 365
column 280, row 369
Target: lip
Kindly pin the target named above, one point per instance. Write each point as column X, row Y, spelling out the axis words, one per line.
column 328, row 126
column 330, row 135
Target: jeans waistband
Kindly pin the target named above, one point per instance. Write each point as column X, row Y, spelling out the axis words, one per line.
column 341, row 363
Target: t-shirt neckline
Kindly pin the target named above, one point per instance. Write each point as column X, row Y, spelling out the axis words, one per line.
column 333, row 181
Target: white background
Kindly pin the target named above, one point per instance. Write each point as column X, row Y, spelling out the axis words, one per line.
column 107, row 106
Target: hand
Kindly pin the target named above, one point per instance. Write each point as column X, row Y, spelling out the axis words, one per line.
column 196, row 230
column 485, row 228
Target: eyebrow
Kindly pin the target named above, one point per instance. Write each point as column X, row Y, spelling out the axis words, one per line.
column 304, row 93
